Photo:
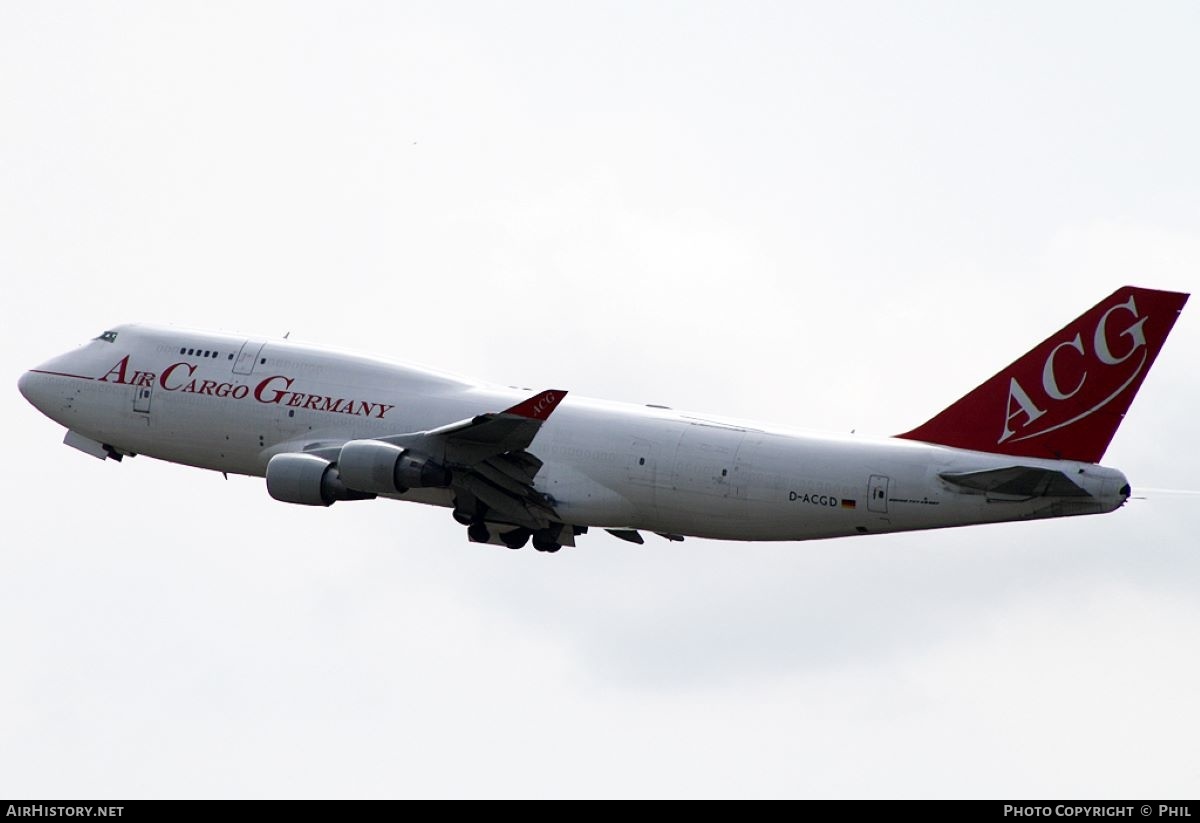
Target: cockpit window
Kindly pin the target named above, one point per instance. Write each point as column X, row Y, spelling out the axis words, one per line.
column 108, row 337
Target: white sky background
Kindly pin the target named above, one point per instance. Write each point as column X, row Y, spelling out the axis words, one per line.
column 826, row 215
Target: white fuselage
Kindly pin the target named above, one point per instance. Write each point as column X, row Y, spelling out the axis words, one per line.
column 229, row 404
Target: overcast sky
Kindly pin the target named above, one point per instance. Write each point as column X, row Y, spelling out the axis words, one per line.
column 835, row 216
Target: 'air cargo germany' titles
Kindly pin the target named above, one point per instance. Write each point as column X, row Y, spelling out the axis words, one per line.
column 276, row 389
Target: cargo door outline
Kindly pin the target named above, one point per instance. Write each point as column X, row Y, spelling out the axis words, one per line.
column 743, row 466
column 703, row 458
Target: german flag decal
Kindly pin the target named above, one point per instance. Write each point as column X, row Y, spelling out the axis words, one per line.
column 849, row 504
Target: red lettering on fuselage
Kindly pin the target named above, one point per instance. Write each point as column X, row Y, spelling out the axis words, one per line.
column 277, row 393
column 118, row 370
column 273, row 390
column 169, row 370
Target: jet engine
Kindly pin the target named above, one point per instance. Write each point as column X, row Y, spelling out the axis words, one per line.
column 375, row 466
column 308, row 480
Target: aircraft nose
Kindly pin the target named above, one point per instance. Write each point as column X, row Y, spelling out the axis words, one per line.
column 25, row 386
column 33, row 388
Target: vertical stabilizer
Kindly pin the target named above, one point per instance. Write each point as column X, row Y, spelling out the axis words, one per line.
column 1065, row 398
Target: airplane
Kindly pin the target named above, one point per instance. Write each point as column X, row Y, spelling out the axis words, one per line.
column 323, row 426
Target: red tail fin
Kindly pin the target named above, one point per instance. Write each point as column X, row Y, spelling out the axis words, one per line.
column 1065, row 399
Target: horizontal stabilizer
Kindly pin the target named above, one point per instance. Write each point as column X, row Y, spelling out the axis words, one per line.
column 1018, row 481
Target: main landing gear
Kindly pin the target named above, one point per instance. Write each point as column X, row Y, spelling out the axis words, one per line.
column 515, row 539
column 478, row 532
column 544, row 540
column 473, row 514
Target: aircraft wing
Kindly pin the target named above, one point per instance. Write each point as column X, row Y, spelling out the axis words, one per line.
column 488, row 461
column 491, row 473
column 477, row 438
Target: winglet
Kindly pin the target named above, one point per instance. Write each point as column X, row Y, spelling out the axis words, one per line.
column 539, row 406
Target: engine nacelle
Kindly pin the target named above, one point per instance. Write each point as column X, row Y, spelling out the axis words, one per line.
column 308, row 480
column 375, row 466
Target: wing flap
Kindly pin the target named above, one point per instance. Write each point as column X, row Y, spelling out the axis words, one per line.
column 522, row 510
column 497, row 477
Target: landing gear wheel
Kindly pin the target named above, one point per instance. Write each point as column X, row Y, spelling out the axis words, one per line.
column 478, row 532
column 544, row 540
column 516, row 539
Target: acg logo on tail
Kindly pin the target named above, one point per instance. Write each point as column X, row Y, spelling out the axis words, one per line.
column 1100, row 349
